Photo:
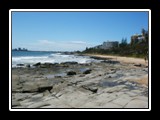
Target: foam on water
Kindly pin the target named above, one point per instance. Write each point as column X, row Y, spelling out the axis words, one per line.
column 51, row 58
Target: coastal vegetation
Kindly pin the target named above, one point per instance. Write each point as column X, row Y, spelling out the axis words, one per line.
column 136, row 48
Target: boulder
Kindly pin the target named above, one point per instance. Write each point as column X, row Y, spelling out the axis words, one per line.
column 93, row 89
column 110, row 61
column 46, row 65
column 90, row 88
column 37, row 64
column 28, row 66
column 114, row 62
column 20, row 65
column 70, row 63
column 38, row 86
column 71, row 73
column 109, row 76
column 44, row 88
column 55, row 63
column 98, row 58
column 87, row 71
column 82, row 75
column 137, row 65
column 57, row 76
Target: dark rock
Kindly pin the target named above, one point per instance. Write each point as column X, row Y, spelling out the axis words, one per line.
column 37, row 64
column 43, row 66
column 98, row 58
column 109, row 76
column 137, row 65
column 82, row 75
column 55, row 64
column 42, row 89
column 71, row 73
column 27, row 91
column 111, row 72
column 87, row 71
column 46, row 65
column 93, row 89
column 90, row 88
column 58, row 76
column 70, row 63
column 105, row 61
column 20, row 64
column 39, row 89
column 28, row 66
column 110, row 61
column 114, row 62
column 86, row 64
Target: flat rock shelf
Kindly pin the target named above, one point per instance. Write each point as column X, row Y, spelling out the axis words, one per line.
column 68, row 85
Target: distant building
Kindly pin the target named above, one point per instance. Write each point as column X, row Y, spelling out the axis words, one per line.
column 108, row 45
column 137, row 38
column 19, row 49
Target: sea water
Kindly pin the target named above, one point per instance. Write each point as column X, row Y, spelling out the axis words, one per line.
column 32, row 57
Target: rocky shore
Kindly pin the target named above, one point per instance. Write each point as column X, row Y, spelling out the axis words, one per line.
column 107, row 84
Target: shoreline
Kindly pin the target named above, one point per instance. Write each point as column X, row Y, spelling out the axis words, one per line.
column 130, row 60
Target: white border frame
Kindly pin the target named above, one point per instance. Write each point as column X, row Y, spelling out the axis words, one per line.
column 80, row 10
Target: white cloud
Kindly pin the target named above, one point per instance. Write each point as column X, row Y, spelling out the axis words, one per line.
column 48, row 45
column 78, row 42
column 45, row 42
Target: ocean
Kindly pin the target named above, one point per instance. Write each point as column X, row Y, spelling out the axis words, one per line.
column 32, row 57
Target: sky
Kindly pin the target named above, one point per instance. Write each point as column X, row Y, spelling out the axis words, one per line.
column 71, row 31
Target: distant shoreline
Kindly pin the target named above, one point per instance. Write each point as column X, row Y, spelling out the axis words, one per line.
column 65, row 52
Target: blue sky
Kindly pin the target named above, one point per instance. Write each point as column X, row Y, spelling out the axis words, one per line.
column 69, row 31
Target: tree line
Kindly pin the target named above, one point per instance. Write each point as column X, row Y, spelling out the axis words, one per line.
column 132, row 49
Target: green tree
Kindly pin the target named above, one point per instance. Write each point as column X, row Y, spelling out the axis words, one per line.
column 143, row 31
column 123, row 42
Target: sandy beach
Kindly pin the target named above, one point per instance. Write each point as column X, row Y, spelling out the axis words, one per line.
column 118, row 82
column 122, row 59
